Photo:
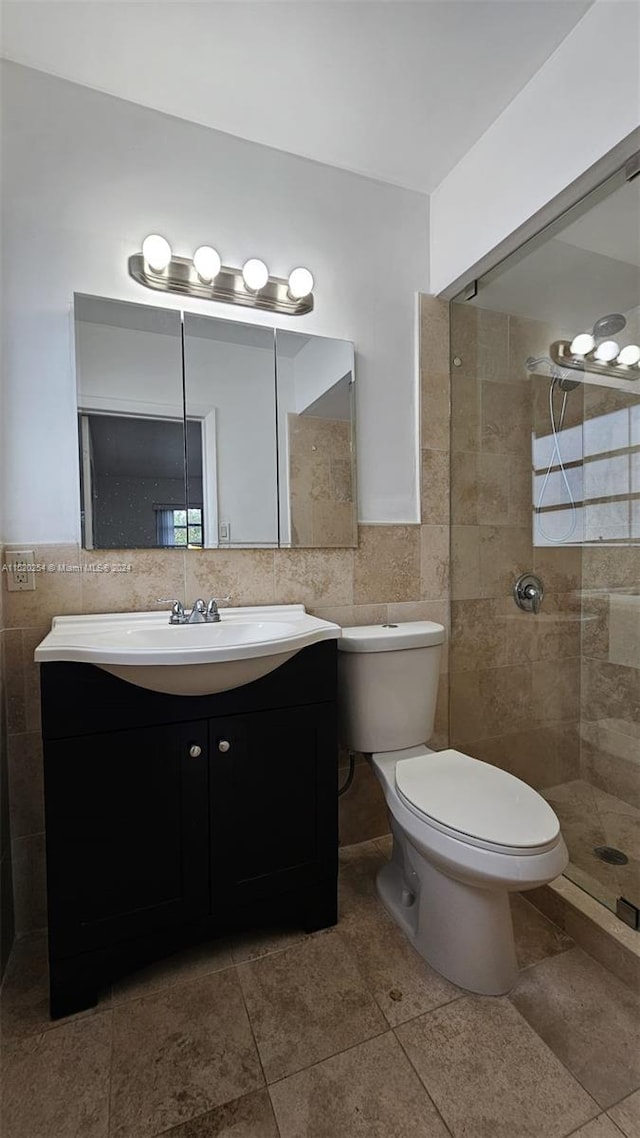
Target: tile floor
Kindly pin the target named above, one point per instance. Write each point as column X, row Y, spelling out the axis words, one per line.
column 589, row 817
column 344, row 1034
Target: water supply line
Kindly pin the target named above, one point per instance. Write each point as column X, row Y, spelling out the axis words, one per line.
column 561, row 381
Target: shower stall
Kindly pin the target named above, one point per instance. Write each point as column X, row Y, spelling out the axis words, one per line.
column 545, row 481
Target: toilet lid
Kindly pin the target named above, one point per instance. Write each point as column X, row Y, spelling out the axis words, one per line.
column 476, row 799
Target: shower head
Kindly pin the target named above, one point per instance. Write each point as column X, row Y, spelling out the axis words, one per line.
column 609, row 325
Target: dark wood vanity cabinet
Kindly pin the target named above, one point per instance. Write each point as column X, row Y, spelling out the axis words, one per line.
column 171, row 819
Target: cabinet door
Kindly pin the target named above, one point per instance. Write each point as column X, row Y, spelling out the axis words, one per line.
column 127, row 834
column 273, row 801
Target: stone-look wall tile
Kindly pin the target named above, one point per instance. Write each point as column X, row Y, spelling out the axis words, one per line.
column 57, row 590
column 478, row 635
column 609, row 757
column 434, row 335
column 595, row 625
column 480, row 340
column 437, row 611
column 434, row 563
column 610, row 691
column 314, row 577
column 520, row 491
column 31, row 637
column 480, row 489
column 27, row 855
column 7, row 923
column 610, row 567
column 154, row 573
column 505, row 552
column 387, row 564
column 26, row 789
column 362, row 810
column 247, row 576
column 434, row 373
column 435, row 487
column 505, row 426
column 15, row 707
column 560, row 569
column 527, row 338
column 552, row 635
column 350, row 616
column 440, row 738
column 556, row 690
column 465, row 413
column 465, row 562
column 541, row 757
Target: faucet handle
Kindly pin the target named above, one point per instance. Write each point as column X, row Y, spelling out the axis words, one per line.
column 177, row 609
column 212, row 608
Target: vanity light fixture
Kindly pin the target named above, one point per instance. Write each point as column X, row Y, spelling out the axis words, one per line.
column 629, row 355
column 605, row 359
column 206, row 278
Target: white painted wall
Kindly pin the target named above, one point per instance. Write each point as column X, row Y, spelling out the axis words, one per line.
column 581, row 103
column 87, row 176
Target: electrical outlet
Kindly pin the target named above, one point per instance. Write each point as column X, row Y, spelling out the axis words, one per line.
column 21, row 575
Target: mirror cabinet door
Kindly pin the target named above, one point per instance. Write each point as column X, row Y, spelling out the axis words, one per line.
column 131, row 425
column 316, row 442
column 230, row 402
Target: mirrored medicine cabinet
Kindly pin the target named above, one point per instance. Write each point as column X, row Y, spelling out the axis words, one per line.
column 201, row 432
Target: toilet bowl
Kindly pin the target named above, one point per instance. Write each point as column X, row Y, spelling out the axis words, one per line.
column 465, row 833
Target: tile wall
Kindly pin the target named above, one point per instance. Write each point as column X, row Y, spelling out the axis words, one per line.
column 397, row 572
column 515, row 678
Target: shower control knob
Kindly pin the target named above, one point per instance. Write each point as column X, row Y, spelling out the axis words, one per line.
column 224, row 745
column 528, row 593
column 195, row 751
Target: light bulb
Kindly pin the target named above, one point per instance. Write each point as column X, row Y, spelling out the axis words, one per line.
column 255, row 274
column 607, row 351
column 582, row 344
column 206, row 262
column 156, row 252
column 629, row 355
column 300, row 283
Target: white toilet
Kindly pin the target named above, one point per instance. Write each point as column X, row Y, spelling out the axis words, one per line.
column 465, row 834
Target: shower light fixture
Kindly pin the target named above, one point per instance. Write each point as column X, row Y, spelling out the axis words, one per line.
column 629, row 355
column 582, row 344
column 204, row 277
column 607, row 351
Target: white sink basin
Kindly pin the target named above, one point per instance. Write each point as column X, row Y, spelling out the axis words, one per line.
column 188, row 659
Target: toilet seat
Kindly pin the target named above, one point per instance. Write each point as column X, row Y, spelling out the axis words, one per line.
column 475, row 802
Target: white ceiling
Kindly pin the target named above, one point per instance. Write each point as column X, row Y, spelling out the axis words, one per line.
column 395, row 90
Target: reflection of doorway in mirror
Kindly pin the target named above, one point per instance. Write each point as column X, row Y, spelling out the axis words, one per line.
column 320, row 471
column 132, row 470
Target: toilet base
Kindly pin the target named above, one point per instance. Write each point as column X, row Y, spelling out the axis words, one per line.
column 464, row 932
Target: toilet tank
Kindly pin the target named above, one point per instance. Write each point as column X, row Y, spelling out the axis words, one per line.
column 388, row 684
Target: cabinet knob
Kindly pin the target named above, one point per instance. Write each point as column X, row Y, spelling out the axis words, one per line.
column 224, row 745
column 195, row 751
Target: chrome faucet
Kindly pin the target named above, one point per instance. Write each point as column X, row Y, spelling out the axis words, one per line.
column 200, row 613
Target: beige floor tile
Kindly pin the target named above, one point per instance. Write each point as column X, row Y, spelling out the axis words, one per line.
column 307, row 1003
column 366, row 1091
column 490, row 1075
column 251, row 945
column 588, row 1018
column 626, row 1115
column 24, row 1001
column 248, row 1117
column 179, row 1053
column 535, row 936
column 601, row 1127
column 56, row 1085
column 178, row 968
column 401, row 982
column 359, row 865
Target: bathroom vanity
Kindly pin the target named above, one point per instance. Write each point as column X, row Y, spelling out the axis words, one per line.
column 174, row 818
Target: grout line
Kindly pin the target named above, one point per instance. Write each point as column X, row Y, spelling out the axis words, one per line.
column 421, row 1080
